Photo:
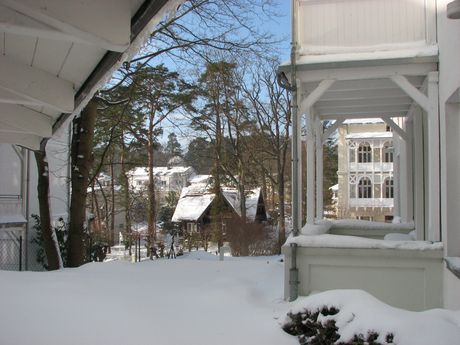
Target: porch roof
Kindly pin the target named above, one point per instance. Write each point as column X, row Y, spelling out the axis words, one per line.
column 360, row 85
column 56, row 54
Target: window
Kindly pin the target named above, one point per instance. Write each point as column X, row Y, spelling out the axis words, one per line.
column 388, row 219
column 364, row 153
column 387, row 152
column 365, row 188
column 388, row 188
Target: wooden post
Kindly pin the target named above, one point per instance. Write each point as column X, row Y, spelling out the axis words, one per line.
column 319, row 169
column 434, row 219
column 310, row 167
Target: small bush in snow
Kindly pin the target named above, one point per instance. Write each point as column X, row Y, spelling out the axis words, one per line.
column 317, row 328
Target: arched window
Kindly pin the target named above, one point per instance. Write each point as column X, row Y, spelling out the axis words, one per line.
column 388, row 189
column 364, row 153
column 365, row 188
column 387, row 153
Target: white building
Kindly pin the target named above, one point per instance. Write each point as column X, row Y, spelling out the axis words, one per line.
column 365, row 170
column 167, row 179
column 389, row 60
column 55, row 55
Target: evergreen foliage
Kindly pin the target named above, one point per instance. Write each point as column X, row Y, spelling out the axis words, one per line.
column 311, row 329
column 61, row 231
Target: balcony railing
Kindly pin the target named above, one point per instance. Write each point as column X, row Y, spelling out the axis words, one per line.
column 338, row 26
column 370, row 202
column 370, row 167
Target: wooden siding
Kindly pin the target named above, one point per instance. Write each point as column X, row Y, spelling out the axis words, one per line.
column 361, row 23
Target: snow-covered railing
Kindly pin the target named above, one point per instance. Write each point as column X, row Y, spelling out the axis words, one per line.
column 11, row 214
column 405, row 274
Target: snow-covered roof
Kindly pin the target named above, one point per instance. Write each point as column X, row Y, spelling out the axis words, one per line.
column 196, row 198
column 370, row 135
column 158, row 171
column 200, row 179
column 193, row 202
column 252, row 199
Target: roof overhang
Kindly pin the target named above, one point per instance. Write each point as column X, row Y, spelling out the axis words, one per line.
column 56, row 55
column 353, row 88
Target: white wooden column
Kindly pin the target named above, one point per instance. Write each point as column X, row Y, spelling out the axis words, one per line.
column 307, row 104
column 310, row 166
column 418, row 168
column 319, row 168
column 434, row 219
column 296, row 187
column 396, row 178
column 409, row 181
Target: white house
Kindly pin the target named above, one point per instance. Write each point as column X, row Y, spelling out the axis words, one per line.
column 397, row 61
column 54, row 56
column 365, row 170
column 167, row 179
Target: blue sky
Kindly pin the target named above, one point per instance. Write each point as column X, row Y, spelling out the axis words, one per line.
column 279, row 27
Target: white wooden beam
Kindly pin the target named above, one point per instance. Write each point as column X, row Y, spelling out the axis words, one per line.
column 373, row 72
column 328, row 132
column 375, row 102
column 434, row 186
column 310, row 168
column 11, row 98
column 419, row 175
column 316, row 94
column 106, row 24
column 319, row 169
column 19, row 152
column 36, row 85
column 338, row 95
column 18, row 119
column 31, row 142
column 364, row 115
column 411, row 91
column 370, row 84
column 399, row 110
column 394, row 126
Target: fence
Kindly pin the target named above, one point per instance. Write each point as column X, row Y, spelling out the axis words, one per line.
column 11, row 251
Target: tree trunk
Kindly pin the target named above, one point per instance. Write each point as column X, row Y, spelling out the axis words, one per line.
column 112, row 204
column 81, row 153
column 50, row 244
column 151, row 200
column 281, row 219
column 126, row 198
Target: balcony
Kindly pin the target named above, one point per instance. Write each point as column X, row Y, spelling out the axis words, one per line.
column 369, row 27
column 370, row 167
column 370, row 202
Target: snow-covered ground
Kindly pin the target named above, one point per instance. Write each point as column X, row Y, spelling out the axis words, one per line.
column 194, row 299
